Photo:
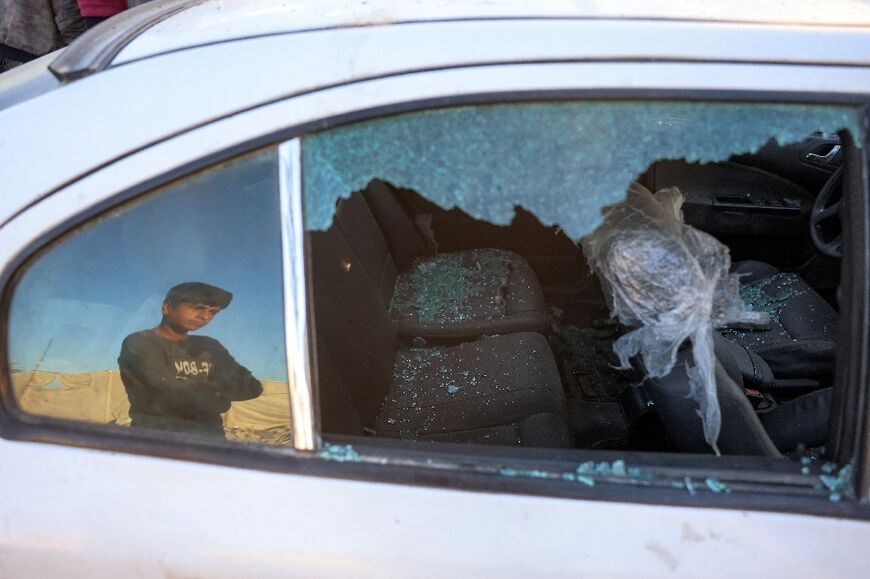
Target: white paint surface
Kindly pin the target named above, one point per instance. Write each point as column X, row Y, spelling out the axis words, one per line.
column 69, row 132
column 222, row 19
column 51, row 163
column 79, row 513
column 67, row 512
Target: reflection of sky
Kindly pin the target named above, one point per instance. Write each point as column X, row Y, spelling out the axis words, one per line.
column 80, row 299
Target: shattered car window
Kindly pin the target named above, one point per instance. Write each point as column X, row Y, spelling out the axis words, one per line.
column 561, row 161
column 485, row 275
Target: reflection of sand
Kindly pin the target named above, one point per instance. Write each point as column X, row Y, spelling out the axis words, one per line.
column 100, row 397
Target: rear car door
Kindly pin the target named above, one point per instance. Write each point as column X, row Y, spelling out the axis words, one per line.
column 89, row 497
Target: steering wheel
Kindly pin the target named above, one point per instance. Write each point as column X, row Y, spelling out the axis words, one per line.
column 825, row 210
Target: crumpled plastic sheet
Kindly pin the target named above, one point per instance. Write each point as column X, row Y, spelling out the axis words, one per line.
column 452, row 287
column 671, row 282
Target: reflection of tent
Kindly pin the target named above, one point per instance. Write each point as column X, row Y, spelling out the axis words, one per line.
column 89, row 396
column 100, row 397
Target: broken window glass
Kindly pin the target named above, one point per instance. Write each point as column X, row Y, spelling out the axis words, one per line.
column 561, row 161
column 401, row 314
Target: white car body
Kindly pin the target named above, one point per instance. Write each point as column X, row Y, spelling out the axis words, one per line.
column 76, row 509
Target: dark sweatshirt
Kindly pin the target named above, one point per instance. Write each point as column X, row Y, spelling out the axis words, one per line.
column 182, row 385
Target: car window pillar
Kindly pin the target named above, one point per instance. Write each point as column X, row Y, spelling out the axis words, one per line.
column 295, row 306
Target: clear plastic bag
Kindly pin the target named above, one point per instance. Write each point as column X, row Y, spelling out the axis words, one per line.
column 670, row 282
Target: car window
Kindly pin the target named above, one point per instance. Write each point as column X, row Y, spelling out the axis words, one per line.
column 164, row 314
column 582, row 275
column 622, row 275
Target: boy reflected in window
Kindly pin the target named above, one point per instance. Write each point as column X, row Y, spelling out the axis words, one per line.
column 180, row 382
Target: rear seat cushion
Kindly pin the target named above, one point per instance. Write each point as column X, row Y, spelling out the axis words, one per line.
column 485, row 390
column 467, row 294
column 545, row 430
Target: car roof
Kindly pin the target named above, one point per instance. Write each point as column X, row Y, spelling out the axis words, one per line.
column 168, row 25
column 204, row 22
column 331, row 43
column 27, row 81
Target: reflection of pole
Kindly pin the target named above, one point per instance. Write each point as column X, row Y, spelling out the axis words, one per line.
column 35, row 370
column 108, row 408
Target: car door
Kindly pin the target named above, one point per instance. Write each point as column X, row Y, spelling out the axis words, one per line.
column 86, row 498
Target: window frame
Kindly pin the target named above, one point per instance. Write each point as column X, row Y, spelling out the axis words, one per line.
column 854, row 276
column 296, row 312
column 202, row 147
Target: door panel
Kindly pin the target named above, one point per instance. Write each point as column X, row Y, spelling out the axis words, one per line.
column 758, row 214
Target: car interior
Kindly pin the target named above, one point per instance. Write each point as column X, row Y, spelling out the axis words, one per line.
column 431, row 325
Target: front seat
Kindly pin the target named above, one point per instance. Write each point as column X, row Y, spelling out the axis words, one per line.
column 741, row 430
column 801, row 344
column 802, row 422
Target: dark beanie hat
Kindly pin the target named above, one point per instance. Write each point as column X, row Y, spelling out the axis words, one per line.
column 200, row 293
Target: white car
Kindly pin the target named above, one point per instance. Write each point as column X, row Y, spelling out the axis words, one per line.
column 509, row 290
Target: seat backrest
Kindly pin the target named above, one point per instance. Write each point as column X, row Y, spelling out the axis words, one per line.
column 359, row 227
column 353, row 329
column 404, row 239
column 741, row 431
column 338, row 408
